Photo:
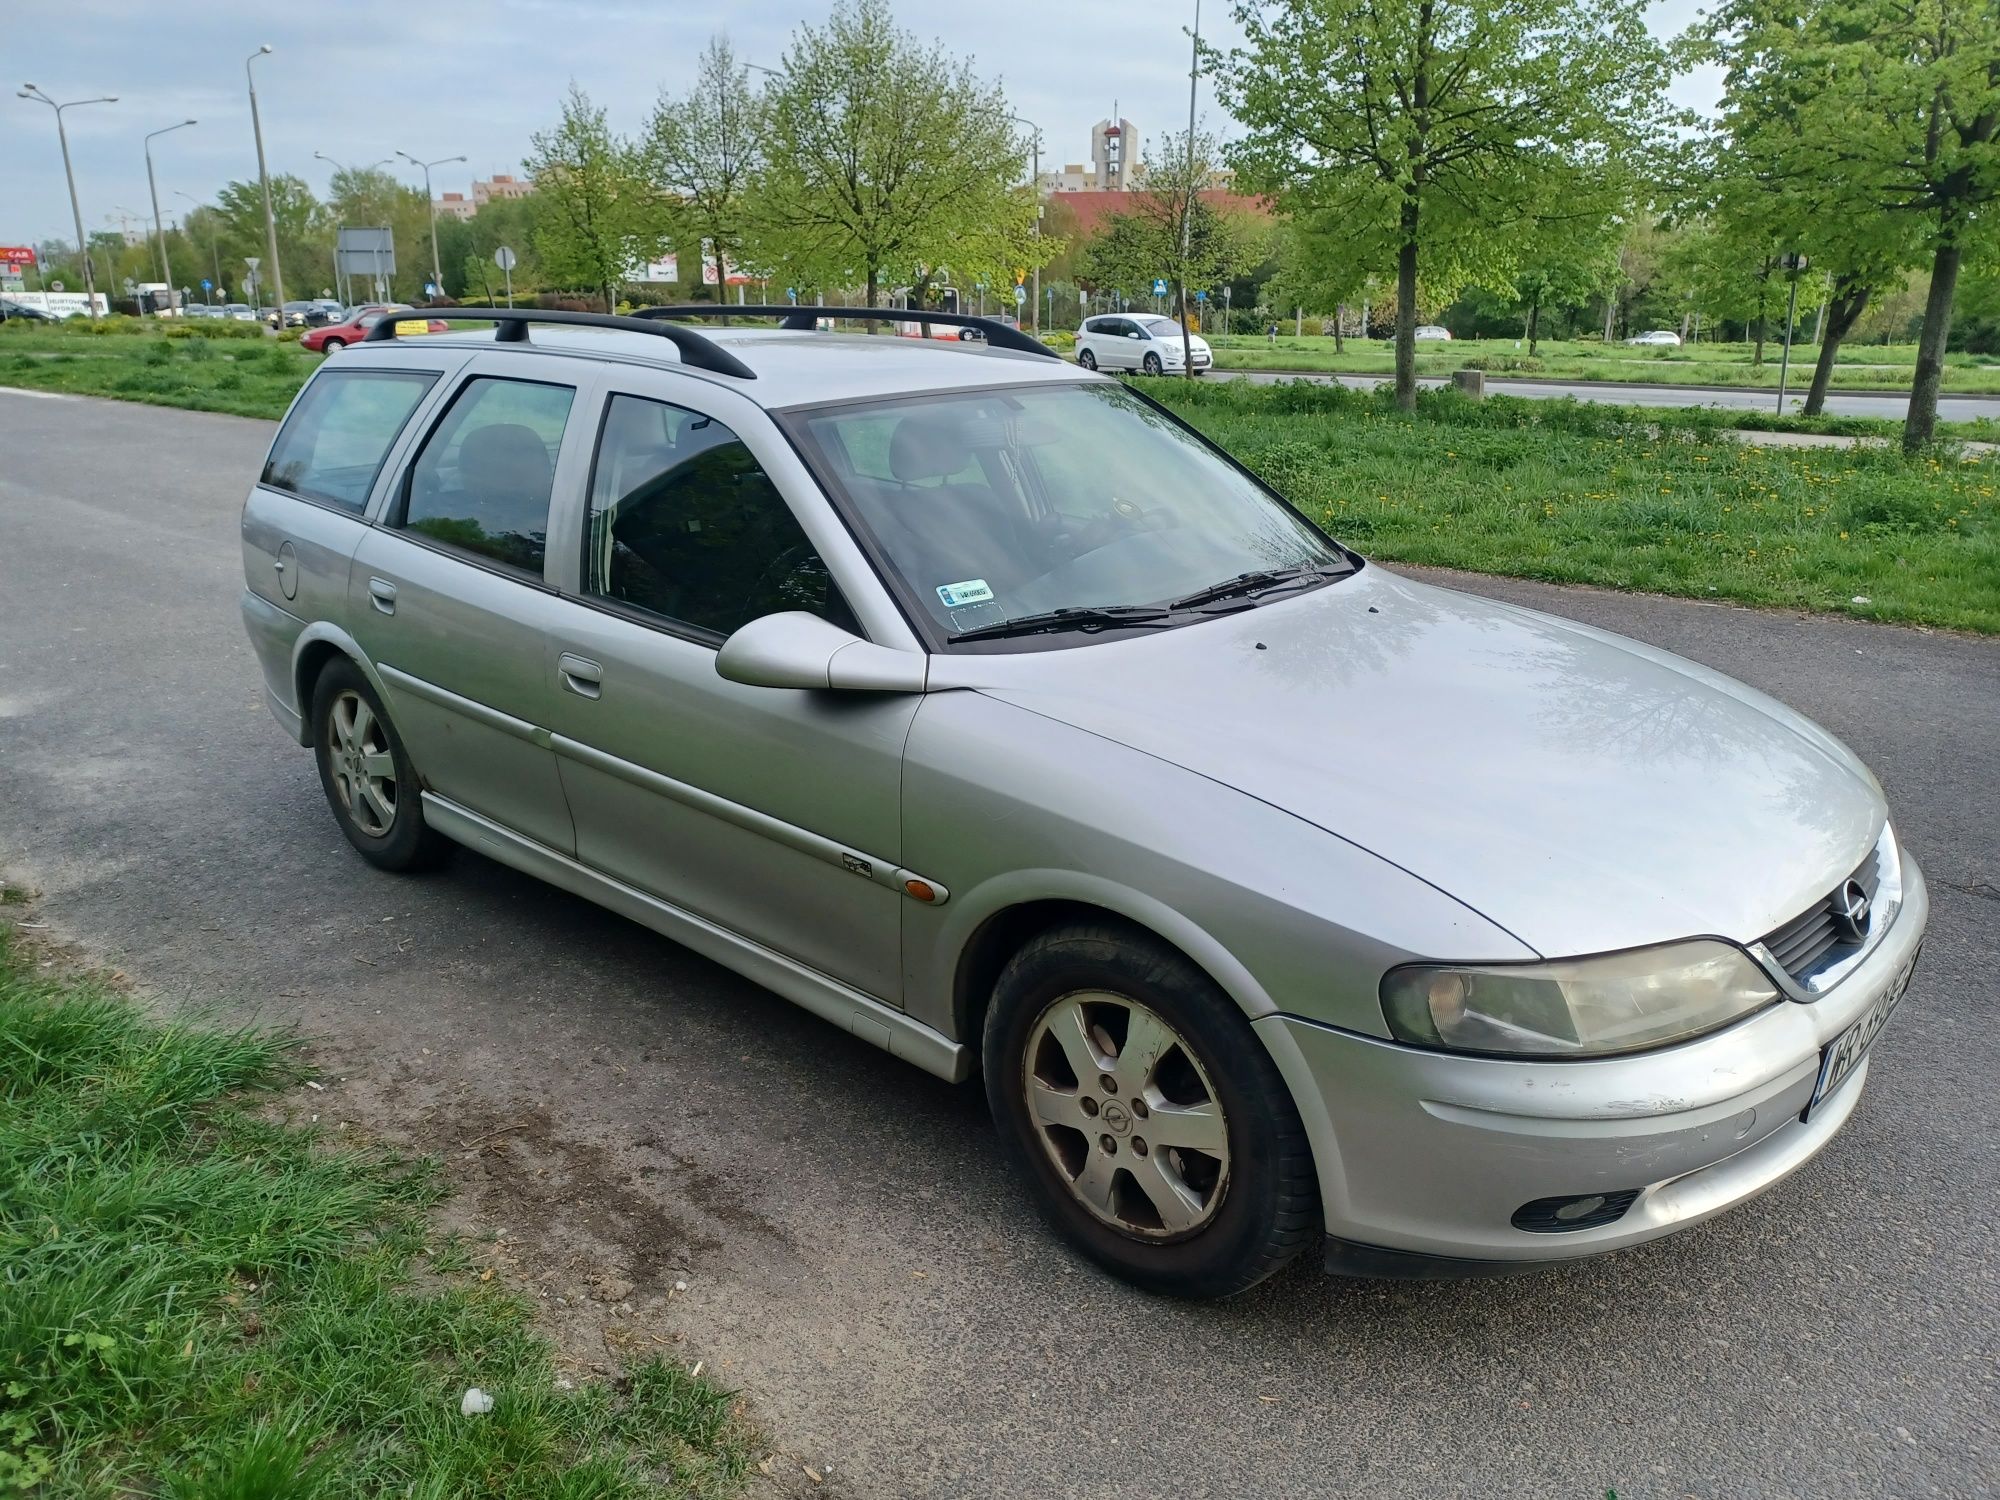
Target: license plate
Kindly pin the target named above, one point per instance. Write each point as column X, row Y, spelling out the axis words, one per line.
column 1843, row 1054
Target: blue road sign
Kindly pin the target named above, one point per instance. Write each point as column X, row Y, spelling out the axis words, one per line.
column 792, row 294
column 430, row 288
column 1201, row 296
column 1159, row 286
column 207, row 285
column 1020, row 295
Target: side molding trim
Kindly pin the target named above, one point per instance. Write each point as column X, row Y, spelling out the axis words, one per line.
column 864, row 1016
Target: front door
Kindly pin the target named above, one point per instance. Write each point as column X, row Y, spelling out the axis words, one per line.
column 447, row 596
column 772, row 812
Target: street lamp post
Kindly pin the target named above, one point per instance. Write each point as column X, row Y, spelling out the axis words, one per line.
column 264, row 178
column 1187, row 202
column 437, row 273
column 1035, row 181
column 29, row 91
column 159, row 234
column 214, row 244
column 340, row 280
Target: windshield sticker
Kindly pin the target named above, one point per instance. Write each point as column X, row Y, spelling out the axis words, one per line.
column 958, row 595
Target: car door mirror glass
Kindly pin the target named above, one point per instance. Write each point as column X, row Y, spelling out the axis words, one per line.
column 800, row 650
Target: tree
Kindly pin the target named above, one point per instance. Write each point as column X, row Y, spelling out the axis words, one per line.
column 702, row 152
column 1868, row 133
column 885, row 157
column 304, row 240
column 1169, row 229
column 593, row 217
column 1440, row 133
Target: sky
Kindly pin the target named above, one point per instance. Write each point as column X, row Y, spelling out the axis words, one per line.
column 362, row 79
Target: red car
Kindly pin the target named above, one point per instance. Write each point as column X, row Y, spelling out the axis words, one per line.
column 354, row 327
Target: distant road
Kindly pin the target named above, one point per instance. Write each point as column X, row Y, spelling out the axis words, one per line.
column 1838, row 404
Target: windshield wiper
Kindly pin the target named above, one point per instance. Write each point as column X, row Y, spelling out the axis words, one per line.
column 1258, row 581
column 1084, row 617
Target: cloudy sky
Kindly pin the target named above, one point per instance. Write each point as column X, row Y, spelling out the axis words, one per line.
column 361, row 79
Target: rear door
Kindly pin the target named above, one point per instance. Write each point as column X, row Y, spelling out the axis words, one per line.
column 449, row 596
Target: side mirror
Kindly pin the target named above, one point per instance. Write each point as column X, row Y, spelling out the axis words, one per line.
column 799, row 650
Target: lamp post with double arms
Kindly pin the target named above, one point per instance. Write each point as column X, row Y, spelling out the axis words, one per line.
column 437, row 273
column 159, row 234
column 29, row 91
column 339, row 278
column 214, row 244
column 264, row 177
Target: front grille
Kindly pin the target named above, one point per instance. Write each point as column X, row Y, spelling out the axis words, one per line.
column 1812, row 939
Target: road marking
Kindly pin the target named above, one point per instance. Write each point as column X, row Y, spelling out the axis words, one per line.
column 15, row 390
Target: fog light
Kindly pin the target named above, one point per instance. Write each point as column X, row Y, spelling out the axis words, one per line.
column 1573, row 1211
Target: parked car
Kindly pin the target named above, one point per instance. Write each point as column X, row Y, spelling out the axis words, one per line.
column 22, row 313
column 1137, row 341
column 1431, row 332
column 1663, row 336
column 324, row 312
column 992, row 713
column 353, row 328
column 291, row 315
column 203, row 310
column 241, row 312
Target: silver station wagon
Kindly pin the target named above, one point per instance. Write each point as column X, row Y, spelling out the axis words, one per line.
column 977, row 704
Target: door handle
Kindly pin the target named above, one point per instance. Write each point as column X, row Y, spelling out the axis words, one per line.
column 382, row 594
column 580, row 675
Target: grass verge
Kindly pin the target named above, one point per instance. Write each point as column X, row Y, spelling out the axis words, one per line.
column 202, row 1302
column 1863, row 367
column 1621, row 497
column 253, row 376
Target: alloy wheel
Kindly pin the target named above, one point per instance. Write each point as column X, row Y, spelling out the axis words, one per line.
column 1127, row 1115
column 363, row 766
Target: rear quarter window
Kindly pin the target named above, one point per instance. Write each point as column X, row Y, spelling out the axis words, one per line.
column 332, row 445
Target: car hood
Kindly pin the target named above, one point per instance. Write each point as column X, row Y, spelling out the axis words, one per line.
column 1583, row 791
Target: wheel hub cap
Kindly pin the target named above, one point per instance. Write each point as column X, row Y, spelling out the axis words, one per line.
column 1127, row 1115
column 363, row 768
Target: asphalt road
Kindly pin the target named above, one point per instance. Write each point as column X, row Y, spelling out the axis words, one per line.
column 857, row 1262
column 1838, row 404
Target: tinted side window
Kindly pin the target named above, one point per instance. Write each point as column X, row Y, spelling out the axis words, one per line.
column 485, row 475
column 684, row 524
column 333, row 444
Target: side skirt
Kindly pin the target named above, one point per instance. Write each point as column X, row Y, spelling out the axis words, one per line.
column 827, row 998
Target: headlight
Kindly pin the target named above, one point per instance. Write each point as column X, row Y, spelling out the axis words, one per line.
column 1585, row 1007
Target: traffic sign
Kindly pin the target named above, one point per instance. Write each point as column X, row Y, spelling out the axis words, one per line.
column 504, row 258
column 207, row 285
column 1020, row 295
column 430, row 288
column 253, row 261
column 1159, row 286
column 1201, row 296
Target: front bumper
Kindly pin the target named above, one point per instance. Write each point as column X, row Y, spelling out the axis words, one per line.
column 1425, row 1157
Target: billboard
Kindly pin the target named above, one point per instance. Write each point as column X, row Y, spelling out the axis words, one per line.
column 366, row 252
column 16, row 261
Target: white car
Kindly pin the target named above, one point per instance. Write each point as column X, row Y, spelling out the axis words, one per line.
column 1137, row 341
column 1662, row 336
column 1431, row 331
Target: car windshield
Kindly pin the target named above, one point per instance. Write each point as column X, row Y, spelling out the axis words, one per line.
column 1161, row 327
column 994, row 508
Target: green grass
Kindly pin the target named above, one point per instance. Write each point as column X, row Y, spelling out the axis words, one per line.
column 1658, row 500
column 199, row 367
column 200, row 1302
column 1861, row 367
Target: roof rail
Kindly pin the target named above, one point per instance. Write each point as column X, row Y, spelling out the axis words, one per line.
column 696, row 351
column 803, row 318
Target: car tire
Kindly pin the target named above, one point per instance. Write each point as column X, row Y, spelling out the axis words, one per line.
column 1153, row 365
column 1241, row 1198
column 367, row 776
column 1085, row 358
column 329, row 345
